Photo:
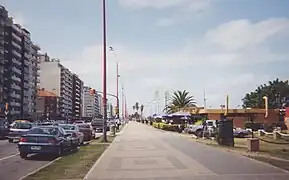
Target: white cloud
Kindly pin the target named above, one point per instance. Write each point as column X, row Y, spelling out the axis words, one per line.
column 198, row 65
column 184, row 9
column 240, row 34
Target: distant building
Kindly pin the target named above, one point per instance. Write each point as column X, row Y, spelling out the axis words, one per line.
column 54, row 77
column 77, row 88
column 47, row 105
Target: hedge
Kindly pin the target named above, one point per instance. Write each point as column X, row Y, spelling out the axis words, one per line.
column 166, row 127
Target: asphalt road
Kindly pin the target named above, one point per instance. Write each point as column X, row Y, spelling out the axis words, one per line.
column 12, row 167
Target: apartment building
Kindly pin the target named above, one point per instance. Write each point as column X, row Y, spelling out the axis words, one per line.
column 90, row 103
column 30, row 73
column 77, row 88
column 18, row 68
column 54, row 77
column 3, row 20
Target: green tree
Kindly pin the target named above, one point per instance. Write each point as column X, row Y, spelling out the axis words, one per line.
column 277, row 92
column 179, row 101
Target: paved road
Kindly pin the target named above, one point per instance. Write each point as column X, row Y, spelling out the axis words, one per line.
column 12, row 167
column 143, row 153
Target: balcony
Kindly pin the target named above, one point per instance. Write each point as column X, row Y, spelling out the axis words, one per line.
column 26, row 62
column 16, row 62
column 16, row 37
column 15, row 104
column 26, row 70
column 14, row 95
column 16, row 45
column 26, row 78
column 16, row 53
column 16, row 87
column 15, row 78
column 18, row 71
column 28, row 56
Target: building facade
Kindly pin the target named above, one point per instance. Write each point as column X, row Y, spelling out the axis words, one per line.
column 90, row 103
column 46, row 105
column 18, row 70
column 77, row 89
column 54, row 77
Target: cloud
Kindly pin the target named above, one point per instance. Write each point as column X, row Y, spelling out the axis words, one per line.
column 222, row 62
column 183, row 9
column 243, row 33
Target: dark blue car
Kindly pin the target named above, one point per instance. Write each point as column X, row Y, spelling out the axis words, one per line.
column 44, row 140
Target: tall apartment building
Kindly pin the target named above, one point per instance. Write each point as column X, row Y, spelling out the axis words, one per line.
column 90, row 103
column 30, row 73
column 77, row 88
column 19, row 68
column 3, row 20
column 54, row 77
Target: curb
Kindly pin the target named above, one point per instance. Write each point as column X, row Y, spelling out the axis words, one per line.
column 42, row 167
column 96, row 163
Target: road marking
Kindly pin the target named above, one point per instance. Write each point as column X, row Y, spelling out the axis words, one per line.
column 38, row 169
column 7, row 157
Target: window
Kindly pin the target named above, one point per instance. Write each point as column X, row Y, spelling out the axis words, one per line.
column 43, row 130
column 22, row 126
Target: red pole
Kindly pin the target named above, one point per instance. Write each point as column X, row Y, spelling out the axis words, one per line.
column 104, row 72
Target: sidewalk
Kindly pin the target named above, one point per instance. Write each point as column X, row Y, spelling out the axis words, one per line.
column 138, row 153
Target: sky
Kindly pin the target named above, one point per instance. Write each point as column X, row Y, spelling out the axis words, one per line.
column 214, row 46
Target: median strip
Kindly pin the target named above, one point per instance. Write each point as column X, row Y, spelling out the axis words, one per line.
column 73, row 166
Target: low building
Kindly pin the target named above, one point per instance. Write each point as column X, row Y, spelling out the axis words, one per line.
column 240, row 116
column 47, row 104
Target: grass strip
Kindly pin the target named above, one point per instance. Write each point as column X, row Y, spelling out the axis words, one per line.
column 73, row 166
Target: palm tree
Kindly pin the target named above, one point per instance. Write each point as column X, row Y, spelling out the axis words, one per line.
column 141, row 109
column 133, row 107
column 180, row 100
column 136, row 106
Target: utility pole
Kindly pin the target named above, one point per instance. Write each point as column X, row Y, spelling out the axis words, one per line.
column 123, row 103
column 104, row 73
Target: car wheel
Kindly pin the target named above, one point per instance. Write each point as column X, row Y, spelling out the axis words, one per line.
column 241, row 135
column 10, row 140
column 23, row 155
column 199, row 133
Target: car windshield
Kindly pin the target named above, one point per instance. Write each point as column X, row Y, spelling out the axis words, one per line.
column 68, row 127
column 22, row 126
column 43, row 130
column 82, row 126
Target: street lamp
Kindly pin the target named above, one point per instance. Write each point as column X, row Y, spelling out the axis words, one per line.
column 117, row 80
column 104, row 72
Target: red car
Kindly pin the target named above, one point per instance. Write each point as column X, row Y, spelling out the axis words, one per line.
column 87, row 130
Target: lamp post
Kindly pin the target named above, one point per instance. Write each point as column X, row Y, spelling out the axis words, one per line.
column 104, row 73
column 117, row 81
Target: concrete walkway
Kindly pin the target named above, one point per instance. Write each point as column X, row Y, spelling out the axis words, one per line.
column 141, row 152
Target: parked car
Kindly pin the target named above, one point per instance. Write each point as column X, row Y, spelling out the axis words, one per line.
column 87, row 130
column 4, row 128
column 17, row 129
column 79, row 122
column 76, row 135
column 44, row 140
column 239, row 132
